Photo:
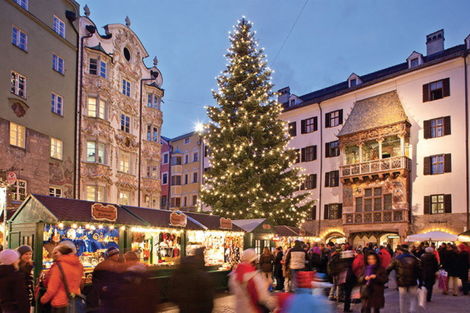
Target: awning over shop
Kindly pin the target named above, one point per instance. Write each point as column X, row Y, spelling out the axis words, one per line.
column 214, row 222
column 432, row 236
column 250, row 225
column 164, row 218
column 287, row 231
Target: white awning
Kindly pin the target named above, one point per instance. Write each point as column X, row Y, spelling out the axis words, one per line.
column 432, row 236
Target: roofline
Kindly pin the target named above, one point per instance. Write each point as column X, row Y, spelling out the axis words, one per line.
column 183, row 136
column 460, row 53
column 106, row 27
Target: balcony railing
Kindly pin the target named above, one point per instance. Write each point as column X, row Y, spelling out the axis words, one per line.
column 375, row 217
column 376, row 166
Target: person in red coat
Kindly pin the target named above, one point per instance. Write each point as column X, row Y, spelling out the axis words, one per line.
column 385, row 257
column 358, row 264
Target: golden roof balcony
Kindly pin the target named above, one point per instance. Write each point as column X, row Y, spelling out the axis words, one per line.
column 400, row 165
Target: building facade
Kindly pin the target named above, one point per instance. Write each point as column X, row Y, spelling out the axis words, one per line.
column 38, row 75
column 119, row 118
column 386, row 154
column 165, row 171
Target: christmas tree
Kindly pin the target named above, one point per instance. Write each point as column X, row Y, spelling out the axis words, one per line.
column 251, row 174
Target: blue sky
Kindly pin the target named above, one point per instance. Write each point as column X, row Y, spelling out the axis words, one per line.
column 332, row 39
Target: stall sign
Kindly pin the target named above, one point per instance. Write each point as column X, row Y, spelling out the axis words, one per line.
column 266, row 226
column 102, row 212
column 225, row 223
column 11, row 178
column 178, row 219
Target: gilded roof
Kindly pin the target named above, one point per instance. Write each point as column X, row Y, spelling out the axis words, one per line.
column 377, row 111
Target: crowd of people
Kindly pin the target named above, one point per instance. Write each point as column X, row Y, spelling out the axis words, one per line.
column 279, row 281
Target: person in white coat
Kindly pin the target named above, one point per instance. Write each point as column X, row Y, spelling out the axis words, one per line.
column 249, row 286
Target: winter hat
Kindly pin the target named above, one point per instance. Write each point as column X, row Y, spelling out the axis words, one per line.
column 429, row 250
column 249, row 255
column 112, row 251
column 24, row 249
column 68, row 244
column 9, row 256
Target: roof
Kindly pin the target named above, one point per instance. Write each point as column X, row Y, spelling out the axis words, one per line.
column 10, row 213
column 212, row 222
column 377, row 111
column 99, row 48
column 377, row 76
column 249, row 225
column 182, row 136
column 158, row 218
column 286, row 231
column 80, row 210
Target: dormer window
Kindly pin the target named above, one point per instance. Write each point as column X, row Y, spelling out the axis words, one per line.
column 415, row 59
column 292, row 102
column 414, row 62
column 353, row 80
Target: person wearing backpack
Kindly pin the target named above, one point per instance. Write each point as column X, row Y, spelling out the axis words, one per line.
column 65, row 278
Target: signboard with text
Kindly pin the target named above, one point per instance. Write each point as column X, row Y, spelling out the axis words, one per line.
column 102, row 212
column 178, row 219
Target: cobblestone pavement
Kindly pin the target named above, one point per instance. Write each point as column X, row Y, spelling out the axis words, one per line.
column 440, row 304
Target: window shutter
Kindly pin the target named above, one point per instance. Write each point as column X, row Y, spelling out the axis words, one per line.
column 341, row 117
column 340, row 210
column 315, row 152
column 326, row 212
column 447, row 163
column 446, row 85
column 315, row 123
column 447, row 125
column 327, row 179
column 425, row 92
column 302, row 158
column 302, row 127
column 327, row 120
column 327, row 149
column 427, row 204
column 427, row 166
column 427, row 129
column 336, row 178
column 314, row 212
column 314, row 181
column 448, row 203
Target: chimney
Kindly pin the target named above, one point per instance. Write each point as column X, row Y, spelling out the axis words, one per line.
column 435, row 42
column 284, row 95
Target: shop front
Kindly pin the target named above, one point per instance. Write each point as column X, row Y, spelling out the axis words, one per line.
column 259, row 233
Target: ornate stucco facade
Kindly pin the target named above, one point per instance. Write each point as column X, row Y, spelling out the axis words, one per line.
column 119, row 118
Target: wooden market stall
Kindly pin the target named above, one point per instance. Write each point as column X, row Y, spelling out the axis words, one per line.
column 285, row 236
column 259, row 233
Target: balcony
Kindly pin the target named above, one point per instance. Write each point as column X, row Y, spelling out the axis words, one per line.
column 400, row 164
column 376, row 217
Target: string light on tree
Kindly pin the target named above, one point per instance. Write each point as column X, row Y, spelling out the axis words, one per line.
column 251, row 172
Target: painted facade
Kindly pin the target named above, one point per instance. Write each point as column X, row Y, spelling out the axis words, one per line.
column 165, row 172
column 391, row 156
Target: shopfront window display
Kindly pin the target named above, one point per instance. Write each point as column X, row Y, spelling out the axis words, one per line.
column 157, row 246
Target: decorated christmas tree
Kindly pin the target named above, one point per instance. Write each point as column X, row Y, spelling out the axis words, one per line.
column 251, row 174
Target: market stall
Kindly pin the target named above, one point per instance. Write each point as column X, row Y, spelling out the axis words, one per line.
column 222, row 240
column 43, row 222
column 259, row 233
column 285, row 236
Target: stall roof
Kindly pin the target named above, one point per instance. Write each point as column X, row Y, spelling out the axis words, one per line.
column 159, row 218
column 212, row 222
column 287, row 231
column 249, row 225
column 62, row 209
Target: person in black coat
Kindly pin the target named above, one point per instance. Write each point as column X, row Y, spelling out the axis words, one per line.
column 278, row 275
column 26, row 267
column 429, row 266
column 464, row 266
column 372, row 284
column 13, row 295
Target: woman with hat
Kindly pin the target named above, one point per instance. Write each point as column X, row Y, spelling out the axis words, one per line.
column 372, row 285
column 26, row 267
column 13, row 296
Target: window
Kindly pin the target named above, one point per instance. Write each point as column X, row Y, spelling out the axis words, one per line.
column 334, row 118
column 152, row 171
column 56, row 148
column 185, row 201
column 359, row 202
column 18, row 84
column 187, row 140
column 353, row 82
column 388, row 204
column 152, row 133
column 308, row 125
column 414, row 62
column 332, row 149
column 373, row 200
column 17, row 135
column 436, row 90
column 19, row 38
column 333, row 211
column 93, row 67
column 124, row 162
column 176, row 180
column 194, row 200
column 163, row 202
column 165, row 178
column 186, row 179
column 59, row 26
column 125, row 123
column 176, row 160
column 127, row 54
column 152, row 101
column 292, row 128
column 438, row 204
column 175, row 202
column 332, row 179
column 18, row 190
column 55, row 192
column 95, row 193
column 165, row 158
column 437, row 127
column 309, row 153
column 292, row 102
column 126, row 87
column 377, row 199
column 195, row 177
column 23, row 3
column 437, row 163
column 103, row 69
column 310, row 182
column 186, row 159
column 195, row 157
column 95, row 152
column 57, row 104
column 57, row 64
column 96, row 107
column 124, row 197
